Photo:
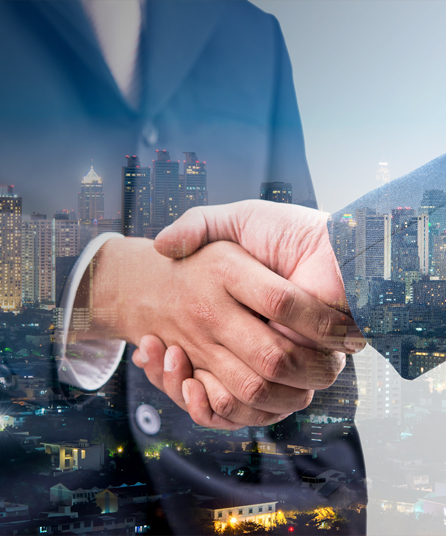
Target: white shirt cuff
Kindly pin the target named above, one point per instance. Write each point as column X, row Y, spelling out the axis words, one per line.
column 87, row 364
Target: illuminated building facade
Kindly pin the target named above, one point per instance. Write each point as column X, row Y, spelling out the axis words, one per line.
column 10, row 249
column 373, row 244
column 91, row 198
column 30, row 262
column 136, row 198
column 195, row 181
column 66, row 236
column 168, row 190
column 47, row 259
column 279, row 192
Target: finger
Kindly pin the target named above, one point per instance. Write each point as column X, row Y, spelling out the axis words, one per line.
column 214, row 405
column 273, row 356
column 248, row 387
column 150, row 357
column 177, row 369
column 260, row 289
column 198, row 227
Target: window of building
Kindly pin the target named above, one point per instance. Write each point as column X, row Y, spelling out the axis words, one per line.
column 87, row 523
column 260, row 509
column 250, row 511
column 240, row 512
column 65, row 527
column 220, row 514
column 270, row 508
column 83, row 454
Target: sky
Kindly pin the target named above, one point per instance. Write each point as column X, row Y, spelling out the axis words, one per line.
column 371, row 85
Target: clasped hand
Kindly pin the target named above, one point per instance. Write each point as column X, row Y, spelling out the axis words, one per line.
column 208, row 345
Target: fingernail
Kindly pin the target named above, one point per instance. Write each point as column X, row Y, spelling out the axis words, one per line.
column 186, row 392
column 354, row 341
column 169, row 363
column 143, row 352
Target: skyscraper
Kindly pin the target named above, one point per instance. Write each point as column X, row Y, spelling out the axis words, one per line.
column 433, row 204
column 195, row 181
column 373, row 244
column 280, row 192
column 91, row 198
column 66, row 236
column 30, row 262
column 136, row 197
column 167, row 190
column 405, row 257
column 10, row 249
column 47, row 258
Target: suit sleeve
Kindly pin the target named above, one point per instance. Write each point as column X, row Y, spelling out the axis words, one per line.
column 288, row 162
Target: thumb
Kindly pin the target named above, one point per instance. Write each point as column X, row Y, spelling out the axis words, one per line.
column 184, row 236
column 197, row 227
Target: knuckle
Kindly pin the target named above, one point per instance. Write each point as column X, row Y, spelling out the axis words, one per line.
column 273, row 361
column 324, row 327
column 306, row 399
column 224, row 405
column 279, row 302
column 203, row 312
column 255, row 391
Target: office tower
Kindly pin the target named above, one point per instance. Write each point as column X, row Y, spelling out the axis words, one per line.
column 433, row 204
column 136, row 197
column 280, row 192
column 343, row 241
column 373, row 244
column 10, row 249
column 167, row 190
column 439, row 255
column 195, row 181
column 66, row 236
column 30, row 262
column 91, row 198
column 423, row 242
column 47, row 259
column 405, row 256
column 383, row 173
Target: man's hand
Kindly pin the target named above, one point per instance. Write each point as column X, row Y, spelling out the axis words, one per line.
column 293, row 242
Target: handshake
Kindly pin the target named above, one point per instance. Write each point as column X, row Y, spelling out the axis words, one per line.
column 241, row 317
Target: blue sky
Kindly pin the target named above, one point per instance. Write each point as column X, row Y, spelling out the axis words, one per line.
column 371, row 84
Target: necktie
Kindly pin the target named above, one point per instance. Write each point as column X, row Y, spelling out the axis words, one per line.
column 117, row 25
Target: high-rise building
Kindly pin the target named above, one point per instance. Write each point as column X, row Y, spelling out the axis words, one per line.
column 136, row 198
column 280, row 192
column 433, row 204
column 343, row 241
column 195, row 181
column 405, row 257
column 30, row 262
column 66, row 236
column 91, row 198
column 47, row 258
column 423, row 242
column 168, row 190
column 373, row 244
column 10, row 249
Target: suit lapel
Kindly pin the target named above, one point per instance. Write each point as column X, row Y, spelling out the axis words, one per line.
column 176, row 33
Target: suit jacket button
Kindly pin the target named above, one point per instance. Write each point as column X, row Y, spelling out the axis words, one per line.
column 148, row 419
column 150, row 134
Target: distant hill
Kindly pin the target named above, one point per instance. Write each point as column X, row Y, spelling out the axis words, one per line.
column 406, row 191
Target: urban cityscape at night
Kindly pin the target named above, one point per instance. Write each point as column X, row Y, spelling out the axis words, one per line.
column 394, row 268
